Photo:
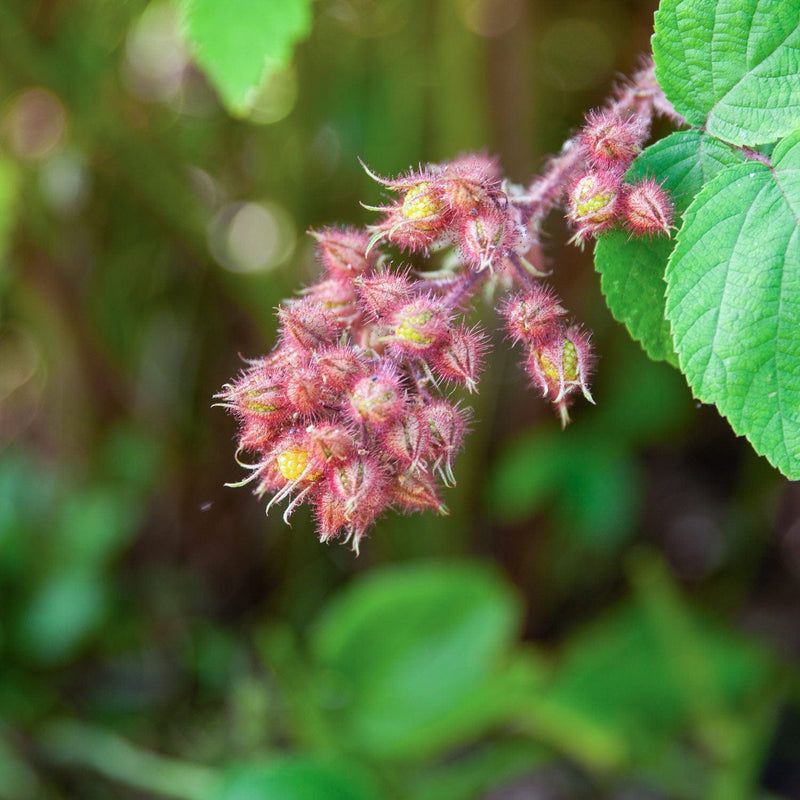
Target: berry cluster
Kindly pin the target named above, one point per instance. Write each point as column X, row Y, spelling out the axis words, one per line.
column 346, row 412
column 599, row 199
column 352, row 411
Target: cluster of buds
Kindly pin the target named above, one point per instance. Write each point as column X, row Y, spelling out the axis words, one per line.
column 347, row 412
column 558, row 356
column 599, row 199
column 352, row 412
column 460, row 203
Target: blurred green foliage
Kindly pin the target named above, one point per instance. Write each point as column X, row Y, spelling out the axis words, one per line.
column 610, row 611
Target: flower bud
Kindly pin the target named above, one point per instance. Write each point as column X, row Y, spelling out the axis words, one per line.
column 415, row 492
column 377, row 399
column 593, row 204
column 383, row 292
column 406, row 439
column 481, row 237
column 647, row 208
column 307, row 325
column 447, row 426
column 419, row 326
column 340, row 366
column 460, row 358
column 612, row 142
column 343, row 251
column 561, row 366
column 533, row 316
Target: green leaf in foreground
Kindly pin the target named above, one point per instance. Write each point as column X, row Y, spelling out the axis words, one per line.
column 416, row 652
column 239, row 42
column 731, row 65
column 733, row 298
column 632, row 269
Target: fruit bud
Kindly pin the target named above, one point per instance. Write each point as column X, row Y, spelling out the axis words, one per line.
column 561, row 366
column 460, row 357
column 419, row 326
column 305, row 324
column 377, row 399
column 533, row 316
column 647, row 208
column 612, row 142
column 593, row 204
column 343, row 251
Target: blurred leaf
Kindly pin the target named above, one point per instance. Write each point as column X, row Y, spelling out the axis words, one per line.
column 476, row 772
column 295, row 779
column 584, row 477
column 62, row 614
column 415, row 652
column 95, row 525
column 239, row 43
column 19, row 781
column 631, row 679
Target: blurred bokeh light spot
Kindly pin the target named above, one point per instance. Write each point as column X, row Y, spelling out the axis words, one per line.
column 252, row 237
column 35, row 124
column 155, row 57
column 64, row 183
column 21, row 379
column 575, row 53
column 491, row 17
column 276, row 98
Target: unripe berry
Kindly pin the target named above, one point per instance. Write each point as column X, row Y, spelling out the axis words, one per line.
column 561, row 366
column 419, row 326
column 612, row 142
column 383, row 292
column 460, row 358
column 647, row 208
column 307, row 325
column 423, row 205
column 377, row 399
column 593, row 204
column 343, row 251
column 533, row 316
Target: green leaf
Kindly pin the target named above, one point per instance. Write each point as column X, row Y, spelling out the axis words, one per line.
column 632, row 269
column 622, row 692
column 295, row 778
column 413, row 655
column 66, row 610
column 731, row 65
column 239, row 43
column 733, row 298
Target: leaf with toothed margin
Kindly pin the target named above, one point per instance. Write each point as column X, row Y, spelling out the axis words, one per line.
column 732, row 66
column 733, row 299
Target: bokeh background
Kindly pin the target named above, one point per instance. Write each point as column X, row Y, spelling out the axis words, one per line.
column 612, row 611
